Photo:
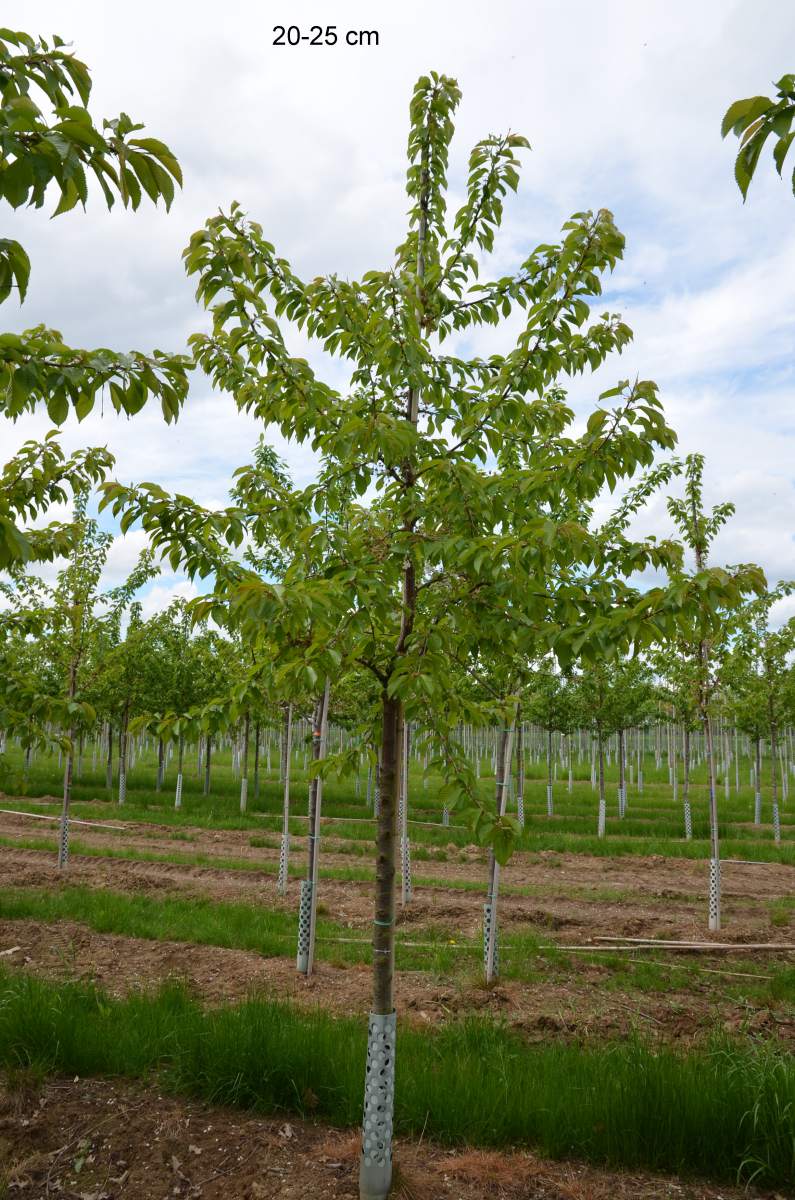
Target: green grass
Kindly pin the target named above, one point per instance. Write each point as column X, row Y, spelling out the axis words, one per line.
column 653, row 824
column 527, row 955
column 779, row 909
column 269, row 932
column 721, row 1112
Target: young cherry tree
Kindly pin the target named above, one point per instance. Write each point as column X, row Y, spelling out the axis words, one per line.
column 698, row 529
column 678, row 677
column 611, row 696
column 758, row 674
column 450, row 553
column 74, row 619
column 552, row 706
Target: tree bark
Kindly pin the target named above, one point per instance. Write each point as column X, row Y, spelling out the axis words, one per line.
column 549, row 773
column 774, row 781
column 313, row 831
column 403, row 809
column 63, row 842
column 504, row 758
column 319, row 738
column 519, row 768
column 208, row 752
column 123, row 754
column 284, row 850
column 180, row 755
column 244, row 765
column 160, row 764
column 386, row 845
column 602, row 797
column 109, row 764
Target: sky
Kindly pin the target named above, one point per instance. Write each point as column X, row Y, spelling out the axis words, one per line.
column 621, row 102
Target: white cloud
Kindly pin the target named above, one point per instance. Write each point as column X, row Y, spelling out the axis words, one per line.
column 162, row 593
column 622, row 103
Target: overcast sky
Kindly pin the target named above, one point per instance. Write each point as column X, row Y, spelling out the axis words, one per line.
column 622, row 103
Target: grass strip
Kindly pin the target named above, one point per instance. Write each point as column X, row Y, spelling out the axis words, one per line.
column 723, row 1112
column 600, row 895
column 273, row 933
column 573, row 836
column 527, row 953
column 205, row 922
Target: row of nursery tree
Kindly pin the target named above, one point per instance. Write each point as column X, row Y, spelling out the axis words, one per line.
column 72, row 648
column 446, row 552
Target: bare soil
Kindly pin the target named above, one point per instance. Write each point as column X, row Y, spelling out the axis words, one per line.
column 568, row 1002
column 573, row 897
column 111, row 1140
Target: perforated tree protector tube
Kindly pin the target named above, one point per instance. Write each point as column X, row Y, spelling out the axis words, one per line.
column 375, row 1167
column 487, row 922
column 304, row 923
column 405, row 858
column 63, row 842
column 714, row 893
column 284, row 854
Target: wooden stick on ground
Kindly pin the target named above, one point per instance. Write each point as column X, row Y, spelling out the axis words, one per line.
column 668, row 944
column 12, row 812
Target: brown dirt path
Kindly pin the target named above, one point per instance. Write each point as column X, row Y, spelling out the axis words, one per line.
column 568, row 1002
column 575, row 898
column 112, row 1140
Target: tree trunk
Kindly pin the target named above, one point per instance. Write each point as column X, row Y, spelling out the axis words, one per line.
column 774, row 781
column 403, row 810
column 257, row 735
column 161, row 764
column 714, row 866
column 180, row 753
column 109, row 765
column 602, row 797
column 385, row 867
column 307, row 913
column 244, row 765
column 622, row 774
column 550, row 808
column 63, row 841
column 284, row 852
column 490, row 935
column 123, row 756
column 688, row 815
column 208, row 753
column 758, row 781
column 519, row 769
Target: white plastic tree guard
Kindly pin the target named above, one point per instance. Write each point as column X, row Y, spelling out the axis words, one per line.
column 375, row 1167
column 714, row 894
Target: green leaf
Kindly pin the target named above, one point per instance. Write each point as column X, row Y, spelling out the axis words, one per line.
column 742, row 112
